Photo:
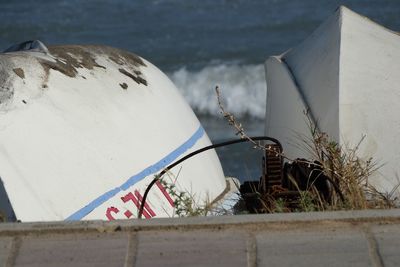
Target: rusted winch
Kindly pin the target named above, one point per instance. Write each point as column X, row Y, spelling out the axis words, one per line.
column 283, row 180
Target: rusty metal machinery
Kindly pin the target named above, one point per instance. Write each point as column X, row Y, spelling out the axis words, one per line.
column 283, row 180
column 272, row 175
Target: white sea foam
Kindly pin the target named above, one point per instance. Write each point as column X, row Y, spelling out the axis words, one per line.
column 243, row 88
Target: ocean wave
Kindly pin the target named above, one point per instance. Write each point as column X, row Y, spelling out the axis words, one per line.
column 243, row 89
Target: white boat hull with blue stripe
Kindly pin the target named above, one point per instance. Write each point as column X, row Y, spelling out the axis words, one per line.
column 84, row 129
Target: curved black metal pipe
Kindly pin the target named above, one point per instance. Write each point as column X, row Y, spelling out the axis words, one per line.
column 227, row 143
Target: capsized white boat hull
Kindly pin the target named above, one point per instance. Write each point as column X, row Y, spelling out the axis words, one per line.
column 347, row 76
column 84, row 129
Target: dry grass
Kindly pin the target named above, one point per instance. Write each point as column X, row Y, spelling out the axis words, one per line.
column 346, row 172
column 185, row 203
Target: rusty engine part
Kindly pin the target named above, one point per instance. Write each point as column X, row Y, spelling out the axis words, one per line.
column 254, row 192
column 303, row 174
column 284, row 181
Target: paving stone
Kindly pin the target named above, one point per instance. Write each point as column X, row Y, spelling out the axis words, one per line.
column 332, row 239
column 73, row 250
column 5, row 246
column 388, row 241
column 194, row 248
column 313, row 248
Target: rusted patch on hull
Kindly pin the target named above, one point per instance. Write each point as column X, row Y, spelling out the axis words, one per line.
column 19, row 72
column 122, row 57
column 6, row 88
column 66, row 60
column 69, row 58
column 124, row 86
column 136, row 78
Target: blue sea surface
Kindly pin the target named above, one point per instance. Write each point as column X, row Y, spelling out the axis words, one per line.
column 199, row 44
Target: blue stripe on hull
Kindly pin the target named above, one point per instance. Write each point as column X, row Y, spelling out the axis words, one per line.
column 161, row 164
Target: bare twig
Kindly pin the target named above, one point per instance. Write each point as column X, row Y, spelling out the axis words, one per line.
column 239, row 127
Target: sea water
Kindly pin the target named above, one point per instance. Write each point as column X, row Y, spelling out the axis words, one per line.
column 199, row 44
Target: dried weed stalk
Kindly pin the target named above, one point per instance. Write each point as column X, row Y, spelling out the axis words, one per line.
column 239, row 127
